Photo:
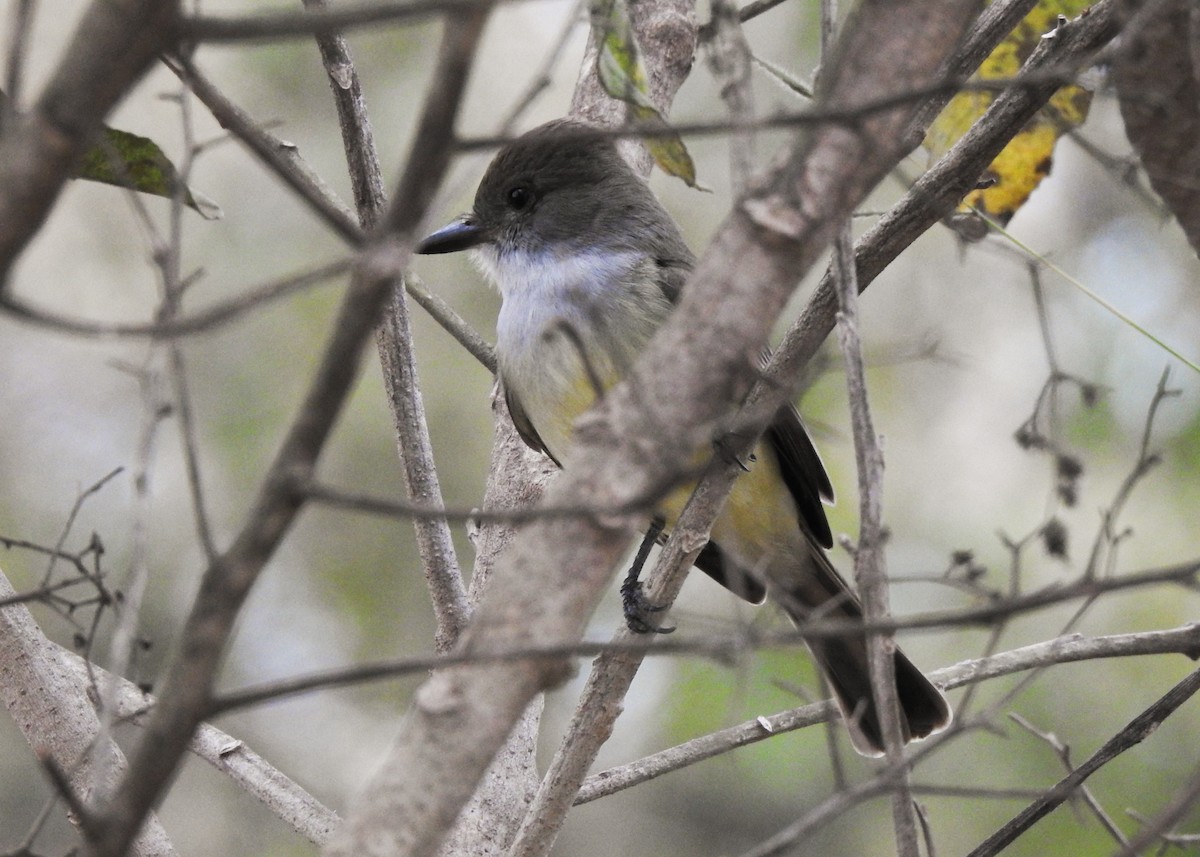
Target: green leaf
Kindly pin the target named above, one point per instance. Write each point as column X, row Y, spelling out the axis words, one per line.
column 619, row 68
column 129, row 161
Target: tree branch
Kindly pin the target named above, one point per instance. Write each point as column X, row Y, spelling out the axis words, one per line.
column 462, row 715
column 1070, row 649
column 395, row 346
column 227, row 582
column 1138, row 729
column 50, row 705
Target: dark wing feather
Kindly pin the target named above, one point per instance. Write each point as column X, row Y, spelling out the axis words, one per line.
column 673, row 270
column 524, row 426
column 799, row 463
column 714, row 563
column 802, row 471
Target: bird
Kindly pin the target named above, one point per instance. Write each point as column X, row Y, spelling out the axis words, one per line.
column 589, row 264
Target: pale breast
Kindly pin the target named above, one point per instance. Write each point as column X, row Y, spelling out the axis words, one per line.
column 567, row 325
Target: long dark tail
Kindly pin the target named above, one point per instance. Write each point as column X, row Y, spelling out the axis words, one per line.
column 843, row 660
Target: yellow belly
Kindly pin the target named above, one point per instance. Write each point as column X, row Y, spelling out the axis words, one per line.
column 759, row 521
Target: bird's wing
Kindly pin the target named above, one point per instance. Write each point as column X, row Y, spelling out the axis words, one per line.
column 524, row 425
column 799, row 463
column 802, row 472
column 673, row 270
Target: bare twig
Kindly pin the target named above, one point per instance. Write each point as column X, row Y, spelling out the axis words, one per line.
column 1064, row 755
column 1107, row 537
column 128, row 609
column 835, row 805
column 395, row 346
column 199, row 321
column 277, row 155
column 1138, row 729
column 451, row 321
column 344, row 16
column 174, row 286
column 227, row 582
column 870, row 572
column 869, row 563
column 1159, row 827
column 1185, row 640
column 80, row 499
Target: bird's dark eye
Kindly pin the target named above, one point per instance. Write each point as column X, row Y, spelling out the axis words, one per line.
column 520, row 198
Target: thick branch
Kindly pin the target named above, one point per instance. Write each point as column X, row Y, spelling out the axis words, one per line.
column 49, row 703
column 637, row 438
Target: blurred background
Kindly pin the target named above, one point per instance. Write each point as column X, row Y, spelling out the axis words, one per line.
column 957, row 361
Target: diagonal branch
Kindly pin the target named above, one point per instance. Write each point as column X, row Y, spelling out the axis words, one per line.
column 1070, row 649
column 394, row 343
column 647, row 425
column 1138, row 729
column 228, row 580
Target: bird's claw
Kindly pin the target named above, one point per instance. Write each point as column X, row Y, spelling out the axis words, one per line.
column 638, row 609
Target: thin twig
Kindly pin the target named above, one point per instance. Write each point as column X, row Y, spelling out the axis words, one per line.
column 80, row 499
column 344, row 16
column 1185, row 640
column 1063, row 752
column 278, row 156
column 174, row 285
column 1107, row 537
column 227, row 582
column 394, row 343
column 869, row 563
column 1138, row 729
column 199, row 321
column 1157, row 828
column 870, row 572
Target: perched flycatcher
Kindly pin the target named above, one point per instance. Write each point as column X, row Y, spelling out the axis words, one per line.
column 574, row 240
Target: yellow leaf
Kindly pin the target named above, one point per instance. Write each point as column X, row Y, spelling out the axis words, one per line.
column 619, row 68
column 1026, row 160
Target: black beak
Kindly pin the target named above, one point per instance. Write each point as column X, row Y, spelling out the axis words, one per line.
column 460, row 234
